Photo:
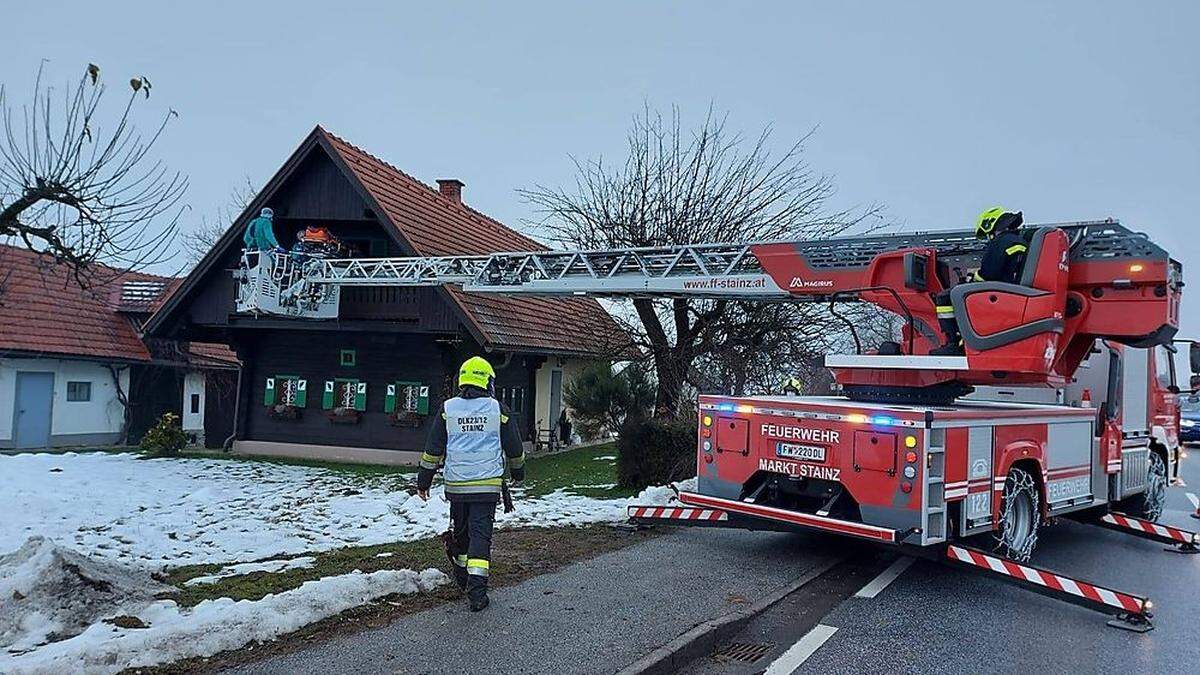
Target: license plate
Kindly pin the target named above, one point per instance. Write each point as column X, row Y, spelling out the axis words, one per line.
column 806, row 453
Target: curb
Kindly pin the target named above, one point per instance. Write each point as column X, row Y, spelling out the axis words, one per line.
column 705, row 636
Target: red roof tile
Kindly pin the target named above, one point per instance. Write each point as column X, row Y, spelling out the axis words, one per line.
column 45, row 311
column 437, row 225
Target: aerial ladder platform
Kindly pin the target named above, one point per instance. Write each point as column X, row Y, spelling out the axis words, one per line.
column 1082, row 281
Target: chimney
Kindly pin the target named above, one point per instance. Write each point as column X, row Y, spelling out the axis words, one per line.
column 451, row 188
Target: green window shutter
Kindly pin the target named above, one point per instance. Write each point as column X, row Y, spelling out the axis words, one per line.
column 327, row 396
column 301, row 393
column 423, row 401
column 389, row 401
column 360, row 396
column 269, row 395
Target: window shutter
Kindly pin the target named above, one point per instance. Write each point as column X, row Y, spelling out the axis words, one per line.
column 423, row 401
column 269, row 394
column 301, row 393
column 360, row 396
column 389, row 401
column 327, row 396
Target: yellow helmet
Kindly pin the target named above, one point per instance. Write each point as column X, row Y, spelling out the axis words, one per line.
column 477, row 372
column 986, row 225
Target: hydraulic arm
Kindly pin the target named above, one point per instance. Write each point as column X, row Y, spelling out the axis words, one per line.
column 1081, row 281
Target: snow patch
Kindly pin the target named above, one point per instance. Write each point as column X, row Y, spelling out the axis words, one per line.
column 272, row 566
column 213, row 626
column 48, row 593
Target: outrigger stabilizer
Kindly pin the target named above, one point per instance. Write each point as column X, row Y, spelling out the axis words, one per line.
column 1129, row 611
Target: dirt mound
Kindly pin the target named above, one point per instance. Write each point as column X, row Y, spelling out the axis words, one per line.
column 49, row 593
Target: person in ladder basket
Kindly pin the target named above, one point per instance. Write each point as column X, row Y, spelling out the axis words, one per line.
column 476, row 439
column 1003, row 259
column 260, row 233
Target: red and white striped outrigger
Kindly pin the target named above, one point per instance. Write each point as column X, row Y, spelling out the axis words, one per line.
column 1130, row 611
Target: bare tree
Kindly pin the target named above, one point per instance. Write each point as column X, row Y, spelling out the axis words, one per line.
column 81, row 187
column 200, row 240
column 708, row 185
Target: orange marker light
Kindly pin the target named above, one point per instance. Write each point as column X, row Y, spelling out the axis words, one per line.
column 1136, row 267
column 910, row 457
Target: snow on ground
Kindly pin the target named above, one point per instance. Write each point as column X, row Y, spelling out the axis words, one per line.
column 270, row 566
column 50, row 593
column 158, row 512
column 173, row 633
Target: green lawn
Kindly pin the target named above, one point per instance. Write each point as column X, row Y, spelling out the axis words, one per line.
column 591, row 472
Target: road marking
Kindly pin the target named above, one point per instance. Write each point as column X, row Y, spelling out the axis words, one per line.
column 798, row 653
column 1194, row 500
column 885, row 578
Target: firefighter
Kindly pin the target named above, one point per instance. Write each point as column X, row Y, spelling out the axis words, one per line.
column 792, row 386
column 474, row 441
column 1003, row 260
column 260, row 233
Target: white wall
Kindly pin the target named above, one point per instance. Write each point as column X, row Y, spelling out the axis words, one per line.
column 101, row 416
column 193, row 383
column 570, row 368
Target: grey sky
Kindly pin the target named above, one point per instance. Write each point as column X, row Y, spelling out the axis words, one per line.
column 937, row 110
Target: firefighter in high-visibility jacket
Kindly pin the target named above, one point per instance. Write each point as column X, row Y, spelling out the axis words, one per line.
column 1003, row 259
column 475, row 439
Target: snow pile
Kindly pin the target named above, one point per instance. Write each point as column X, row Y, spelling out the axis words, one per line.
column 213, row 626
column 270, row 566
column 49, row 593
column 159, row 512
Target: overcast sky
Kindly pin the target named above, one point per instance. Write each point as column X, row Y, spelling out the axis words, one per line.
column 1072, row 111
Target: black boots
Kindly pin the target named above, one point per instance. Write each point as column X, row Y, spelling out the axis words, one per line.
column 477, row 592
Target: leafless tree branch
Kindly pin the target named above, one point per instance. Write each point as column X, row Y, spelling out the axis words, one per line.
column 81, row 188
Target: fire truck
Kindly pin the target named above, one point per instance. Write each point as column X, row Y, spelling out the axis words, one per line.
column 1063, row 404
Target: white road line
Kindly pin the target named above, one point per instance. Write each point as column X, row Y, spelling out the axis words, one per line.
column 798, row 653
column 1194, row 500
column 885, row 578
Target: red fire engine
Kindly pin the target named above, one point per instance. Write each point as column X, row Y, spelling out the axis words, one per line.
column 1062, row 404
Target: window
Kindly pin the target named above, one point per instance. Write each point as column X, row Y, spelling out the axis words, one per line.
column 286, row 390
column 406, row 397
column 344, row 393
column 348, row 357
column 1164, row 363
column 195, row 404
column 79, row 391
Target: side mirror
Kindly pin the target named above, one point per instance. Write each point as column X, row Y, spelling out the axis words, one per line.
column 1194, row 357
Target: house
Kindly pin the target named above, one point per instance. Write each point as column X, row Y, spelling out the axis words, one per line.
column 75, row 370
column 369, row 382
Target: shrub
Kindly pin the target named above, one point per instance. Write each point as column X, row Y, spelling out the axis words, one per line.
column 655, row 451
column 166, row 437
column 600, row 399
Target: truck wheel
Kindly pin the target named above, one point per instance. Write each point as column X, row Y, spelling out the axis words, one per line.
column 1149, row 504
column 1020, row 516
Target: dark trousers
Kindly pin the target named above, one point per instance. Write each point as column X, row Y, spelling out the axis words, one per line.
column 472, row 522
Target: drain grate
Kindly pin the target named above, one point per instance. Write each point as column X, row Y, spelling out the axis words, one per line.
column 744, row 652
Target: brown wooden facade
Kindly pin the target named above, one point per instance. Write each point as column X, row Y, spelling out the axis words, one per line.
column 385, row 339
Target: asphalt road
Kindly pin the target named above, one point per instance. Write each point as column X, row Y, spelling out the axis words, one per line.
column 594, row 616
column 932, row 619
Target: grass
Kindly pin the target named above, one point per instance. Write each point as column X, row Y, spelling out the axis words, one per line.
column 590, row 471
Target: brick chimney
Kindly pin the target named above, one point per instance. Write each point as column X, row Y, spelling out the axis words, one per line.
column 451, row 188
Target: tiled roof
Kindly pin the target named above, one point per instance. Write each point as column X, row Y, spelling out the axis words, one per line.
column 437, row 225
column 45, row 311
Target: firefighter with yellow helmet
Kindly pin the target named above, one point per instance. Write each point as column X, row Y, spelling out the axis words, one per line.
column 1003, row 260
column 475, row 440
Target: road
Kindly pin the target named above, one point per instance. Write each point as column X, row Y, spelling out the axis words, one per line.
column 597, row 616
column 932, row 619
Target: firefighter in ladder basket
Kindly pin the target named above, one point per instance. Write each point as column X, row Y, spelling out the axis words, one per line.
column 474, row 442
column 1003, row 260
